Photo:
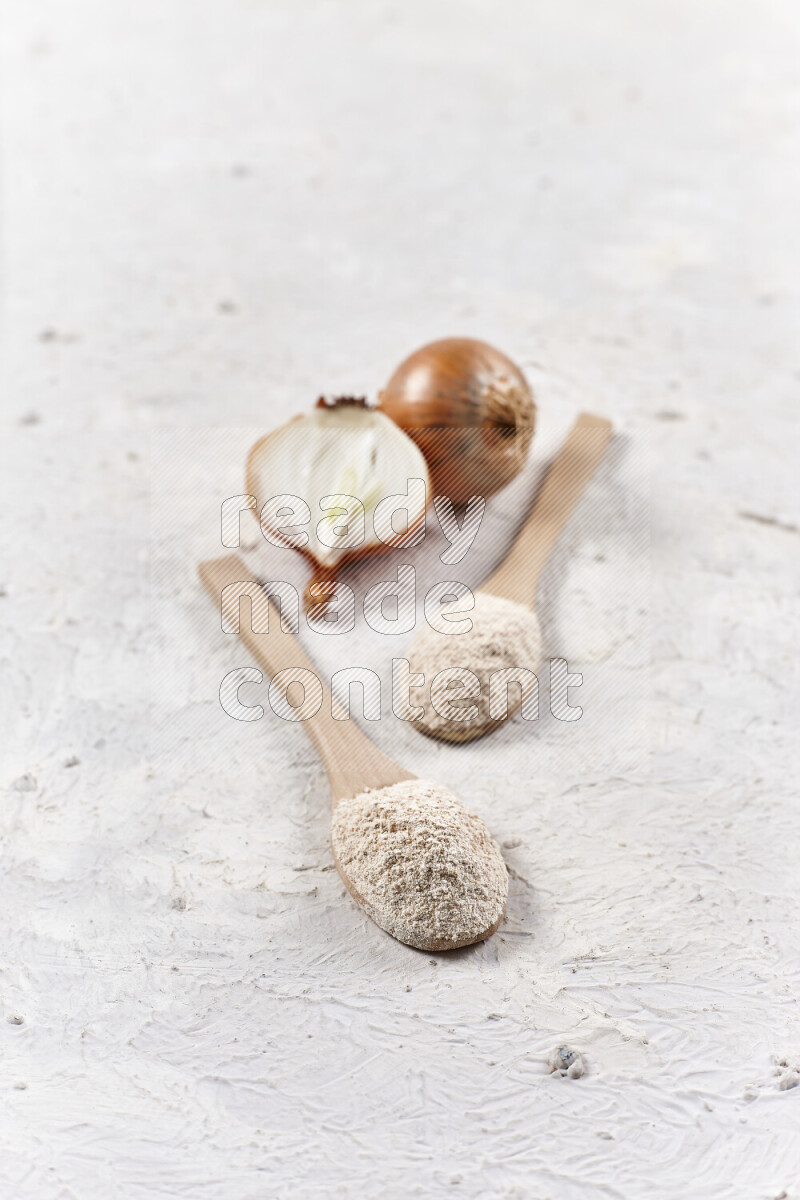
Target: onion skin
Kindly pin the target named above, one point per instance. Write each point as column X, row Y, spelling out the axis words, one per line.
column 469, row 409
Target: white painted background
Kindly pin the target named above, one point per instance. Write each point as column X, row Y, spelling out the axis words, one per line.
column 212, row 212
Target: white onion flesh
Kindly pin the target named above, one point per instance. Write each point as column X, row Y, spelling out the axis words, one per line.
column 338, row 453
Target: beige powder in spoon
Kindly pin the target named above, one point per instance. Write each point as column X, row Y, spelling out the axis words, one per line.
column 503, row 634
column 424, row 868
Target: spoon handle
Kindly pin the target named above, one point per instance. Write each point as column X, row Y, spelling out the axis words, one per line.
column 566, row 481
column 350, row 759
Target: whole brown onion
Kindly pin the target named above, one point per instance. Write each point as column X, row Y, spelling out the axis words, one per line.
column 470, row 411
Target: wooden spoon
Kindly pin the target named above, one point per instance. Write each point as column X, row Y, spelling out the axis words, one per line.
column 350, row 760
column 518, row 577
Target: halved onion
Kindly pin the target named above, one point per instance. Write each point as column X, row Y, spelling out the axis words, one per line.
column 342, row 459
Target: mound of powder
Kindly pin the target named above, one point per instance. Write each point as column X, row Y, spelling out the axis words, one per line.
column 503, row 634
column 423, row 867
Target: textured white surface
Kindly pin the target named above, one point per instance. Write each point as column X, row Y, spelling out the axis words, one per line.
column 211, row 212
